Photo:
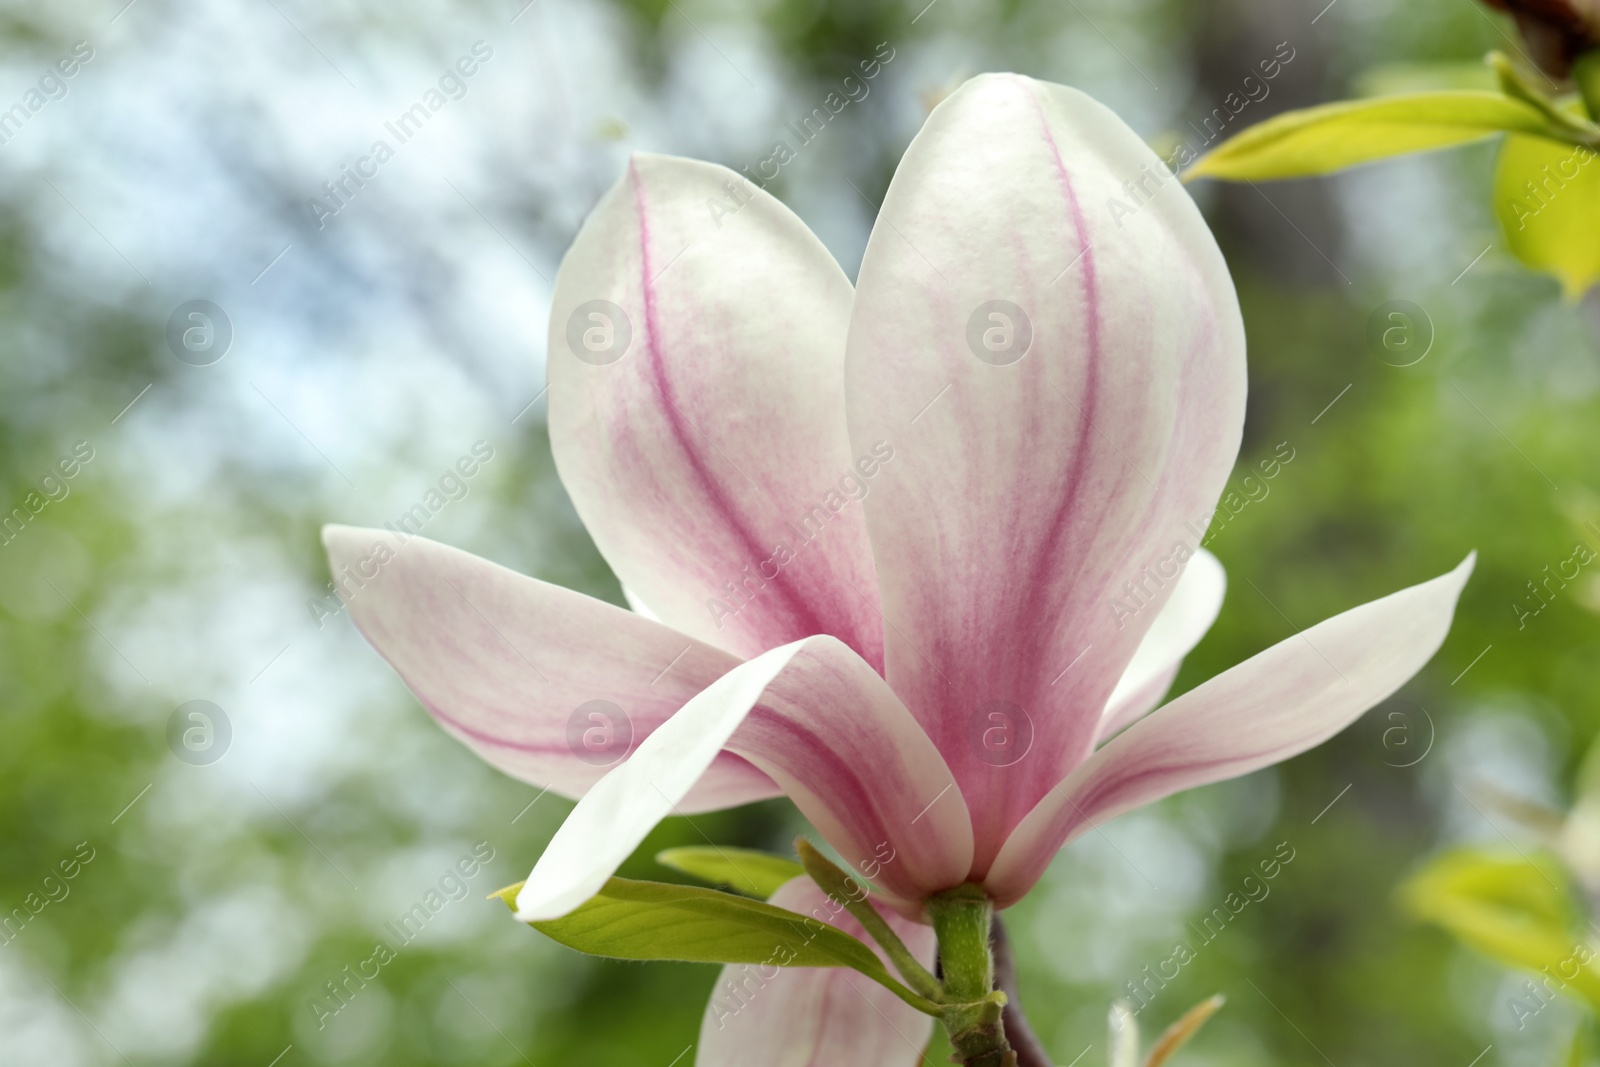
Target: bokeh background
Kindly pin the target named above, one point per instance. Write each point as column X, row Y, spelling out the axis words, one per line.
column 372, row 348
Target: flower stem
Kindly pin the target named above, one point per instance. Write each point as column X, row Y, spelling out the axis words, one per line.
column 845, row 890
column 962, row 918
column 1564, row 125
column 1030, row 1051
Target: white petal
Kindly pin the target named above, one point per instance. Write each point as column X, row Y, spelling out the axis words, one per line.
column 709, row 458
column 819, row 720
column 1183, row 621
column 638, row 605
column 1031, row 482
column 550, row 686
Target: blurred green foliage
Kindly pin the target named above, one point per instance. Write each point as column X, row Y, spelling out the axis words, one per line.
column 222, row 899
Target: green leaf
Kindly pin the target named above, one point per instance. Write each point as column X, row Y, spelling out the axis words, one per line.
column 1324, row 139
column 633, row 920
column 1547, row 198
column 846, row 891
column 1515, row 911
column 755, row 874
column 1391, row 79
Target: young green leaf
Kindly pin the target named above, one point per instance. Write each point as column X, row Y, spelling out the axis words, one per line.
column 1518, row 86
column 755, row 874
column 633, row 920
column 1324, row 139
column 1392, row 79
column 1547, row 198
column 1512, row 910
column 845, row 890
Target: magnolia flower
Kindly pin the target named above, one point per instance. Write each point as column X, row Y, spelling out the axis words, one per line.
column 911, row 552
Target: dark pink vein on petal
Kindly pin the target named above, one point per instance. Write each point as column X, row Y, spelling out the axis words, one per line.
column 800, row 611
column 810, row 760
column 450, row 722
column 1067, row 508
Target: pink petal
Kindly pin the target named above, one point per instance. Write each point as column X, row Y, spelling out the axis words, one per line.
column 828, row 729
column 766, row 1016
column 1182, row 622
column 550, row 686
column 1027, row 497
column 1277, row 704
column 709, row 459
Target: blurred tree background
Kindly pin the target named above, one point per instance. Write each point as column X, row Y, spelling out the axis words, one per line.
column 228, row 883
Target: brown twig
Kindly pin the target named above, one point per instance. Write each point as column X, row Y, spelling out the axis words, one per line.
column 1030, row 1053
column 1555, row 31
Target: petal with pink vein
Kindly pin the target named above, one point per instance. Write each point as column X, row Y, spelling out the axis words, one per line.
column 1275, row 705
column 697, row 411
column 550, row 686
column 767, row 1016
column 822, row 722
column 1064, row 388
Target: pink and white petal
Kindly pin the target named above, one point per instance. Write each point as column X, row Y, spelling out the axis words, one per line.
column 1275, row 705
column 1032, row 485
column 1183, row 621
column 767, row 1016
column 548, row 685
column 638, row 605
column 706, row 457
column 825, row 726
